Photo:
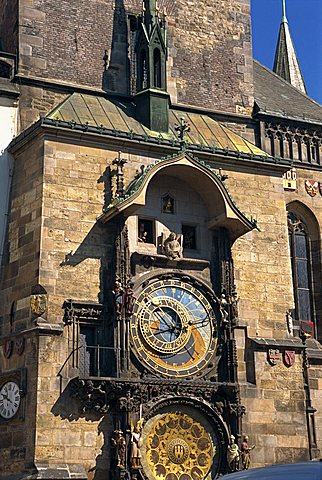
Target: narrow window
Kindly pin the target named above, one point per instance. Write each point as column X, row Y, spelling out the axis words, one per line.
column 143, row 73
column 301, row 269
column 157, row 68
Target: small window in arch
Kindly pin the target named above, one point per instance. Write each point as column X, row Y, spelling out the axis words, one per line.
column 168, row 204
column 146, row 231
column 189, row 237
column 301, row 269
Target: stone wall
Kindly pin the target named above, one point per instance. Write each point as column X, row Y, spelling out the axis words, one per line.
column 22, row 246
column 261, row 257
column 59, row 190
column 275, row 417
column 209, row 65
column 210, row 55
column 17, row 437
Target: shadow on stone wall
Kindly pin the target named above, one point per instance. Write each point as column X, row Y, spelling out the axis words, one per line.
column 70, row 407
column 116, row 67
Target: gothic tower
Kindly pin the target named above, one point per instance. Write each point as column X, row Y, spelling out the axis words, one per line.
column 144, row 312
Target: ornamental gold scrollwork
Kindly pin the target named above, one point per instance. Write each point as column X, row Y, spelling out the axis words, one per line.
column 178, row 447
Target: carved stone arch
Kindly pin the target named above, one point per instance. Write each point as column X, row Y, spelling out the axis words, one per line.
column 307, row 216
column 200, row 409
column 223, row 211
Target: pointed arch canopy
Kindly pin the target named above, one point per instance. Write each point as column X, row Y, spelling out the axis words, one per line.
column 223, row 211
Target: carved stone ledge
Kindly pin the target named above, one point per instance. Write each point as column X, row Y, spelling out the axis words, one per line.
column 83, row 311
column 99, row 396
column 148, row 260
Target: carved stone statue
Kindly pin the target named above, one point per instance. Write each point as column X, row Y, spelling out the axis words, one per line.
column 233, row 455
column 245, row 453
column 136, row 443
column 129, row 299
column 172, row 247
column 119, row 443
column 118, row 297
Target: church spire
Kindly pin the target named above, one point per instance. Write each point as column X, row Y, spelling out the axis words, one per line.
column 286, row 64
column 150, row 14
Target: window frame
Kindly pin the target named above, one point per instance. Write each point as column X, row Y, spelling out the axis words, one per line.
column 297, row 227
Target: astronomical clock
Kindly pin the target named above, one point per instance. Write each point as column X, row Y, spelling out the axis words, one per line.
column 171, row 383
column 173, row 328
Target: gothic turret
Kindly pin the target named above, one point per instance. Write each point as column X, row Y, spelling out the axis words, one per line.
column 152, row 99
column 286, row 64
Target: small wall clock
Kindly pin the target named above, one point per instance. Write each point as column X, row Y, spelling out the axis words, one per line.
column 173, row 328
column 9, row 400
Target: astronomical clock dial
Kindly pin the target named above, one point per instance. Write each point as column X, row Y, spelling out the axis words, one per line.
column 9, row 400
column 173, row 328
column 178, row 446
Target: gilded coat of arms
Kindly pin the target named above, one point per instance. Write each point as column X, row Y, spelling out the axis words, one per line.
column 38, row 304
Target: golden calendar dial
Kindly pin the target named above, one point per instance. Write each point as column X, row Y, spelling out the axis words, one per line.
column 173, row 328
column 177, row 446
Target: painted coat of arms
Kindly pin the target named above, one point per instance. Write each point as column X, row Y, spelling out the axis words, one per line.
column 289, row 357
column 273, row 356
column 312, row 187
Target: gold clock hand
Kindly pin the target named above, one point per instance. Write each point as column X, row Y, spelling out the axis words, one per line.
column 202, row 322
column 168, row 317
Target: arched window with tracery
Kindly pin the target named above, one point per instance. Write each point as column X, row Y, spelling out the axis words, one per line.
column 305, row 255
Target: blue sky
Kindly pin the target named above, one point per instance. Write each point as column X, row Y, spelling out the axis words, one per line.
column 305, row 21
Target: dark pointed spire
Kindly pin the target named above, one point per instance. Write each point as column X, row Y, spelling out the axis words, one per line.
column 286, row 64
column 150, row 14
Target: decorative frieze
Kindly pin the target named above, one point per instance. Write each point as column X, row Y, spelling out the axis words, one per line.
column 299, row 144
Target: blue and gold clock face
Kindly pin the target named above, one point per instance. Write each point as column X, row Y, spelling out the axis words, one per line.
column 173, row 328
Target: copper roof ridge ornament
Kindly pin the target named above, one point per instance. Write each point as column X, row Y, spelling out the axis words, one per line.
column 182, row 129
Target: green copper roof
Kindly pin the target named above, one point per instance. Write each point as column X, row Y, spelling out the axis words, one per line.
column 99, row 112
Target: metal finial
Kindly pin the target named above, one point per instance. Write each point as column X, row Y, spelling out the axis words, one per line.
column 182, row 129
column 284, row 19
